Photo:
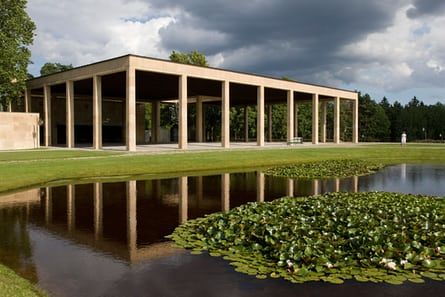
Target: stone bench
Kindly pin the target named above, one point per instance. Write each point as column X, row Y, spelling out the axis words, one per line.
column 295, row 140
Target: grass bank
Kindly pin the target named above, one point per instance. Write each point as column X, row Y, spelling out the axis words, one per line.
column 32, row 168
column 12, row 285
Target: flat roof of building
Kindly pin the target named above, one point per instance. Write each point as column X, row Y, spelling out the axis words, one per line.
column 144, row 63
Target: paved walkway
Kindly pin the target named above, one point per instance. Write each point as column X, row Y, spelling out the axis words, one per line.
column 207, row 146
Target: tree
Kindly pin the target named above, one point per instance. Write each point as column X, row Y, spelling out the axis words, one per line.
column 373, row 121
column 16, row 34
column 49, row 68
column 192, row 58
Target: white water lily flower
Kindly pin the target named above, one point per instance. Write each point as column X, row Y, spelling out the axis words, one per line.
column 329, row 265
column 403, row 262
column 289, row 263
column 391, row 265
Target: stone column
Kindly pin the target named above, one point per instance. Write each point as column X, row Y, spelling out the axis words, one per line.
column 295, row 119
column 131, row 215
column 225, row 114
column 97, row 112
column 315, row 118
column 290, row 115
column 336, row 119
column 69, row 113
column 182, row 96
column 260, row 116
column 355, row 121
column 199, row 119
column 204, row 136
column 71, row 207
column 225, row 192
column 10, row 106
column 183, row 199
column 260, row 180
column 246, row 123
column 47, row 111
column 130, row 110
column 323, row 121
column 269, row 121
column 27, row 100
column 98, row 210
column 155, row 121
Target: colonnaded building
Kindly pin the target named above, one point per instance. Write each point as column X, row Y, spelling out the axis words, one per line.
column 103, row 103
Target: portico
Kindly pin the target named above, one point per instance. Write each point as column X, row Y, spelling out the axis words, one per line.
column 104, row 103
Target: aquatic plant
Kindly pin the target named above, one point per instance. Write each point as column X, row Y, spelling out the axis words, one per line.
column 368, row 236
column 325, row 169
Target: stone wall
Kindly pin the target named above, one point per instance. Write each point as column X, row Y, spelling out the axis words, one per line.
column 19, row 130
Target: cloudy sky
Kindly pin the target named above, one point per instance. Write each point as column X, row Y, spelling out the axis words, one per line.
column 392, row 48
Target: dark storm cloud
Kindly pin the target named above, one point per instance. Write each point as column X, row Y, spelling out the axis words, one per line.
column 426, row 7
column 274, row 36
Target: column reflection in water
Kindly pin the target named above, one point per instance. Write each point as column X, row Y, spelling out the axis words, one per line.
column 336, row 184
column 183, row 199
column 355, row 184
column 225, row 192
column 98, row 210
column 70, row 207
column 131, row 215
column 48, row 206
column 199, row 190
column 315, row 187
column 260, row 186
column 156, row 184
column 290, row 187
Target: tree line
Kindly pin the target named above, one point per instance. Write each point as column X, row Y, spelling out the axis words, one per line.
column 384, row 121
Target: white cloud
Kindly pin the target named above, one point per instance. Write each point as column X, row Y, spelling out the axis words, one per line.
column 436, row 66
column 408, row 53
column 83, row 31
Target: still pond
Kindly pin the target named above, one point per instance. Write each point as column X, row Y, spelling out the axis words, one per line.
column 107, row 239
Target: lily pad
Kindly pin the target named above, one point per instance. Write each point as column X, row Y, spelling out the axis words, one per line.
column 325, row 169
column 368, row 236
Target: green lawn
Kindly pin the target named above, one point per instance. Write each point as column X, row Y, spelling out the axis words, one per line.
column 32, row 168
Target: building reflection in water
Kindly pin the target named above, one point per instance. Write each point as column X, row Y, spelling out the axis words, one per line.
column 15, row 243
column 129, row 220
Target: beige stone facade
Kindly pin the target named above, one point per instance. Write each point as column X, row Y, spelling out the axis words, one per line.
column 103, row 103
column 19, row 130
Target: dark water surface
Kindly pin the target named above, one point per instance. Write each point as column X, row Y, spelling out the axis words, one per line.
column 107, row 239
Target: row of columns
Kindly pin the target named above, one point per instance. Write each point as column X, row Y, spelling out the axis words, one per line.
column 315, row 120
column 130, row 110
column 97, row 112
